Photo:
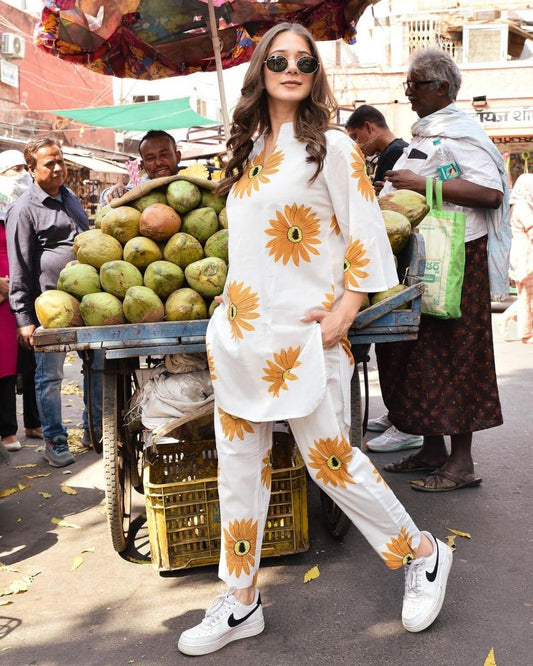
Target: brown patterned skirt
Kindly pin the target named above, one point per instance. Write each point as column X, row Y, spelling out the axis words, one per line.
column 444, row 383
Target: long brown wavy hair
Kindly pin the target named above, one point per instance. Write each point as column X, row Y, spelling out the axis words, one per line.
column 251, row 113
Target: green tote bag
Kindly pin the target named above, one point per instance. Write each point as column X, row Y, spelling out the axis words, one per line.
column 444, row 240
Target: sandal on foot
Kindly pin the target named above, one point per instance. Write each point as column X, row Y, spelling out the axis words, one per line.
column 409, row 464
column 463, row 481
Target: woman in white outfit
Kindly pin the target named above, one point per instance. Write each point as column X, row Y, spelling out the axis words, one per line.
column 307, row 243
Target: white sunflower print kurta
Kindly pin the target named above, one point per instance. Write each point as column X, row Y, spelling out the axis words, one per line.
column 293, row 246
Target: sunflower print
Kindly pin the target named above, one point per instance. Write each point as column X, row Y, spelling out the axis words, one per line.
column 234, row 426
column 255, row 172
column 364, row 184
column 279, row 371
column 266, row 472
column 334, row 225
column 242, row 305
column 210, row 362
column 295, row 232
column 399, row 550
column 347, row 346
column 330, row 299
column 331, row 458
column 239, row 542
column 354, row 260
column 379, row 478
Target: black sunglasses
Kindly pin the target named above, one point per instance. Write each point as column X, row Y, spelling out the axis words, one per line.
column 413, row 85
column 279, row 63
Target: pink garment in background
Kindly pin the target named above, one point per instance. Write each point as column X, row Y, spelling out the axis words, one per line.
column 522, row 254
column 8, row 325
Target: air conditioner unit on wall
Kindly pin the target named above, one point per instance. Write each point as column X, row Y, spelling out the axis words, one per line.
column 12, row 45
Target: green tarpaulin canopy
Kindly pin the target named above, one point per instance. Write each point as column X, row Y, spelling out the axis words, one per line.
column 167, row 115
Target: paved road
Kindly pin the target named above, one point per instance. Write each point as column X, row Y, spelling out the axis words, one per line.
column 113, row 610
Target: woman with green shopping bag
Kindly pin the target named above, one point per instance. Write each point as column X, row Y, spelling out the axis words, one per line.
column 444, row 383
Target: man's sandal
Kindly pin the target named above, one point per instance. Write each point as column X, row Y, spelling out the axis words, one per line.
column 465, row 481
column 410, row 463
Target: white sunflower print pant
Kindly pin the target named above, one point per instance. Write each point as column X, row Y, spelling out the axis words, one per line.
column 345, row 473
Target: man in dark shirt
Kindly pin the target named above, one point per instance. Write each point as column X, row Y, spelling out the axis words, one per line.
column 368, row 128
column 40, row 228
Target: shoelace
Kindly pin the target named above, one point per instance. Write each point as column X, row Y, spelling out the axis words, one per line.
column 214, row 613
column 393, row 430
column 60, row 447
column 413, row 573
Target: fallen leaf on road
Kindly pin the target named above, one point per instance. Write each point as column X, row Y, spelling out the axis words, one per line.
column 67, row 471
column 7, row 567
column 450, row 540
column 490, row 660
column 11, row 491
column 102, row 511
column 71, row 388
column 313, row 573
column 68, row 490
column 67, row 420
column 25, row 466
column 89, row 549
column 19, row 520
column 64, row 523
column 37, row 476
column 5, row 602
column 458, row 533
column 77, row 562
column 18, row 586
column 45, row 495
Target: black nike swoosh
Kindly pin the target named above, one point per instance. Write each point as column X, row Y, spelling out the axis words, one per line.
column 232, row 620
column 431, row 576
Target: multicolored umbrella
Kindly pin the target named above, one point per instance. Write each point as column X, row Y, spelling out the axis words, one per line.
column 152, row 39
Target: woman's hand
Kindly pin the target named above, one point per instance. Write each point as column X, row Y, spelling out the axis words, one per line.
column 335, row 324
column 4, row 287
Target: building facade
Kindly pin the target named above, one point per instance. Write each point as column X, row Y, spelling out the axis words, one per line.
column 493, row 48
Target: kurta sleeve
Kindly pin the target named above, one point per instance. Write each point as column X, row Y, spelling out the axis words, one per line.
column 368, row 262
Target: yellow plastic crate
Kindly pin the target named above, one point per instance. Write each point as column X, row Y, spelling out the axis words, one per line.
column 182, row 508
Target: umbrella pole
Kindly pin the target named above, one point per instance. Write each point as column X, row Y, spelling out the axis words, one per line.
column 218, row 63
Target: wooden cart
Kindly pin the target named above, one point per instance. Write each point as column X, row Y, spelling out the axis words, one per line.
column 125, row 345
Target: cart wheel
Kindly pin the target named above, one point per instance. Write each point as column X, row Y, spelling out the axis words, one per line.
column 337, row 521
column 117, row 464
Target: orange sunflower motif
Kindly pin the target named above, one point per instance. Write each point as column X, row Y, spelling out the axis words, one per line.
column 364, row 184
column 347, row 346
column 354, row 260
column 255, row 172
column 379, row 478
column 242, row 305
column 331, row 458
column 239, row 542
column 399, row 550
column 210, row 362
column 266, row 472
column 330, row 299
column 294, row 232
column 334, row 225
column 279, row 371
column 233, row 425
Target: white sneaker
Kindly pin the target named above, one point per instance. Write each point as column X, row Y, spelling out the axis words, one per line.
column 12, row 446
column 394, row 440
column 227, row 620
column 380, row 424
column 425, row 586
